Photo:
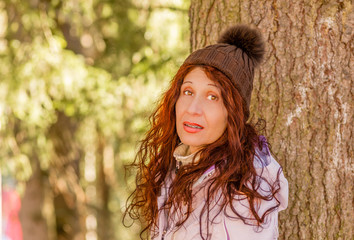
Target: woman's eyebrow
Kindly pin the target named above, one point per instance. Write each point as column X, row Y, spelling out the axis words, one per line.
column 214, row 85
column 187, row 82
column 210, row 84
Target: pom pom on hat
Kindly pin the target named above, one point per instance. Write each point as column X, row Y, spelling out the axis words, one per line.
column 246, row 38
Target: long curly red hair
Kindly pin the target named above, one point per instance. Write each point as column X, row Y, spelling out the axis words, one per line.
column 232, row 154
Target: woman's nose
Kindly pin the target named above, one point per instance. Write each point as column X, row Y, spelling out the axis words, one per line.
column 195, row 106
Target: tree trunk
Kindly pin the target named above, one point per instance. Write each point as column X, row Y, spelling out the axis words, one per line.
column 34, row 225
column 104, row 226
column 304, row 92
column 69, row 199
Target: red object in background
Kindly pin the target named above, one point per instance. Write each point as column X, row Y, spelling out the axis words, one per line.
column 11, row 205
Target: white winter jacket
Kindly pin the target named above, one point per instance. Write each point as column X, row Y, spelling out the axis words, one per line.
column 222, row 227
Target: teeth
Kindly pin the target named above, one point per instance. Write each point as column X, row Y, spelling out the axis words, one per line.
column 193, row 126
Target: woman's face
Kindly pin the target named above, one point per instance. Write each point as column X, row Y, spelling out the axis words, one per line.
column 201, row 116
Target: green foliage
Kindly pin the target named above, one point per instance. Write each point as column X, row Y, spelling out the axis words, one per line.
column 103, row 64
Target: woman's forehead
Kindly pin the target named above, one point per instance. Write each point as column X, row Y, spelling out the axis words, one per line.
column 199, row 76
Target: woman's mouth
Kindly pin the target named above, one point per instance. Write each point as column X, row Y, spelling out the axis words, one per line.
column 192, row 127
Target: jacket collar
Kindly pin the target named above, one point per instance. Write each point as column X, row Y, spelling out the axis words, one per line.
column 181, row 155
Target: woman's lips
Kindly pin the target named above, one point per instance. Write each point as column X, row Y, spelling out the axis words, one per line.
column 192, row 127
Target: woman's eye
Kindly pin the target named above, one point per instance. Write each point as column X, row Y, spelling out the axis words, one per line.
column 212, row 97
column 187, row 92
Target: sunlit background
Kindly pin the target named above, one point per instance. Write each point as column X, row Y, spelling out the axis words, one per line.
column 78, row 80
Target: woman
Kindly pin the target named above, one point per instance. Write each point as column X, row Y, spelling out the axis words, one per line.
column 203, row 172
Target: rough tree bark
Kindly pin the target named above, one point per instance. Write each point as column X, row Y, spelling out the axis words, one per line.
column 304, row 91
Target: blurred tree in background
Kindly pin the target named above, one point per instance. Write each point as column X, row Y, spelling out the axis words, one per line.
column 78, row 80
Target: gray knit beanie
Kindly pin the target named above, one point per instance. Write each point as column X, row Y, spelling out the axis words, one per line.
column 239, row 50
